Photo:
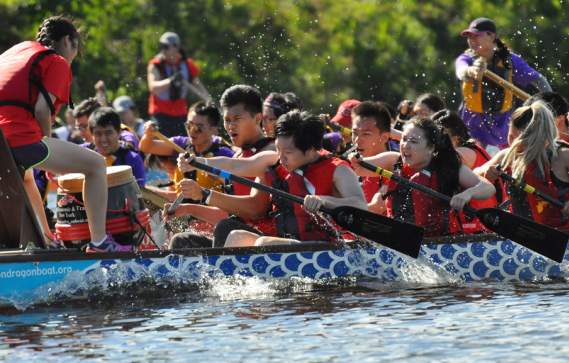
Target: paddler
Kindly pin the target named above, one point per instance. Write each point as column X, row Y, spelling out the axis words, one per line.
column 428, row 157
column 486, row 107
column 304, row 170
column 27, row 110
column 105, row 126
column 202, row 139
column 536, row 157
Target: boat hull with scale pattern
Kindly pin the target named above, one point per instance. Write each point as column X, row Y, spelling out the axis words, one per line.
column 46, row 275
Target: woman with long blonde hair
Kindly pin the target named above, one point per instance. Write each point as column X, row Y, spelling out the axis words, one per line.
column 538, row 158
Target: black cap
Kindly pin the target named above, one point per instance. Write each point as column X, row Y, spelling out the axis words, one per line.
column 478, row 26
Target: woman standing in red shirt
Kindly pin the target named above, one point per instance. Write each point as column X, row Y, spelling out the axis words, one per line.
column 35, row 79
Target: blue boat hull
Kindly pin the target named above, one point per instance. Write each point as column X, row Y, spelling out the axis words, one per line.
column 32, row 278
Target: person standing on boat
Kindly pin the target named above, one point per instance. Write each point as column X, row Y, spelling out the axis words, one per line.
column 371, row 124
column 537, row 157
column 171, row 76
column 307, row 171
column 202, row 139
column 428, row 157
column 35, row 80
column 105, row 125
column 486, row 107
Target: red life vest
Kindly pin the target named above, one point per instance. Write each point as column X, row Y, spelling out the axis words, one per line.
column 370, row 186
column 414, row 206
column 471, row 224
column 167, row 103
column 290, row 218
column 247, row 152
column 531, row 206
column 21, row 81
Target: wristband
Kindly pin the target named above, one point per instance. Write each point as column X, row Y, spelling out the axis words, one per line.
column 206, row 196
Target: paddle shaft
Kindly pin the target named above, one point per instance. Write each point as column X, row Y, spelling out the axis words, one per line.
column 336, row 127
column 518, row 92
column 532, row 190
column 390, row 175
column 265, row 188
column 179, row 149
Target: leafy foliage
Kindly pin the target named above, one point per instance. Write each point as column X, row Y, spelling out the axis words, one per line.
column 323, row 50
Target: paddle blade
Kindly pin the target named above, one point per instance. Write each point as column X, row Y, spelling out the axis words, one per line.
column 400, row 236
column 540, row 238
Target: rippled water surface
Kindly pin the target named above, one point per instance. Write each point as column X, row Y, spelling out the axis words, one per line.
column 233, row 320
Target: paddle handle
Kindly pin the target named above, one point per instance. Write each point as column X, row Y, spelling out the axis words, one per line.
column 265, row 188
column 343, row 130
column 518, row 92
column 531, row 190
column 433, row 193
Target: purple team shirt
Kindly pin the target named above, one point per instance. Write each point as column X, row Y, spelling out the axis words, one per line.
column 183, row 141
column 492, row 128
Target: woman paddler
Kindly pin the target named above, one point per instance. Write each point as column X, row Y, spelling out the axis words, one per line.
column 428, row 157
column 472, row 155
column 537, row 157
column 35, row 80
column 486, row 106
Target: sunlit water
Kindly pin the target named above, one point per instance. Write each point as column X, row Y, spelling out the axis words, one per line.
column 430, row 316
column 233, row 320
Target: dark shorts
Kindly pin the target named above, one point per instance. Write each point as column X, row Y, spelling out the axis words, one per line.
column 171, row 125
column 31, row 155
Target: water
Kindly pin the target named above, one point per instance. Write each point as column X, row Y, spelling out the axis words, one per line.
column 235, row 320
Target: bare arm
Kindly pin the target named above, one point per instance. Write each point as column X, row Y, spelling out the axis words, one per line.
column 349, row 191
column 148, row 144
column 385, row 160
column 43, row 114
column 476, row 187
column 198, row 88
column 488, row 170
column 467, row 155
column 255, row 166
column 155, row 84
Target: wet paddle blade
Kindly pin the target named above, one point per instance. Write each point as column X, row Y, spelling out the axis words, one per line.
column 400, row 236
column 540, row 238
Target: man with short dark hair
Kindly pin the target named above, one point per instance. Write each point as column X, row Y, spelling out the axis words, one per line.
column 105, row 126
column 371, row 125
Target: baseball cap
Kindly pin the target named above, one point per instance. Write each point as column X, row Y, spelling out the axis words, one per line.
column 170, row 38
column 479, row 25
column 123, row 103
column 344, row 115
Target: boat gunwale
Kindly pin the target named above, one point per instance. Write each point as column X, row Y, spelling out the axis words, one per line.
column 41, row 255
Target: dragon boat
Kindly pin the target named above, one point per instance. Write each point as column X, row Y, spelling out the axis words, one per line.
column 40, row 276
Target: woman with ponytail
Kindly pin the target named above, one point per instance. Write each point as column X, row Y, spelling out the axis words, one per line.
column 427, row 157
column 487, row 107
column 538, row 158
column 35, row 80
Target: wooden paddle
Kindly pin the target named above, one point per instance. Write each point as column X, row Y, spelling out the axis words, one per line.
column 400, row 236
column 540, row 238
column 518, row 92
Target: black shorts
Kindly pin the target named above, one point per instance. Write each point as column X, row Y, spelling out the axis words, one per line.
column 31, row 155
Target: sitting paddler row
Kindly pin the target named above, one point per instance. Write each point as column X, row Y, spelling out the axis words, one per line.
column 424, row 141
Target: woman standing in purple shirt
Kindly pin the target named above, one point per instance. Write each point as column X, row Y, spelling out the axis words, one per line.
column 486, row 107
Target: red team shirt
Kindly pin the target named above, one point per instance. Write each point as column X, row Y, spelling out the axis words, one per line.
column 19, row 125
